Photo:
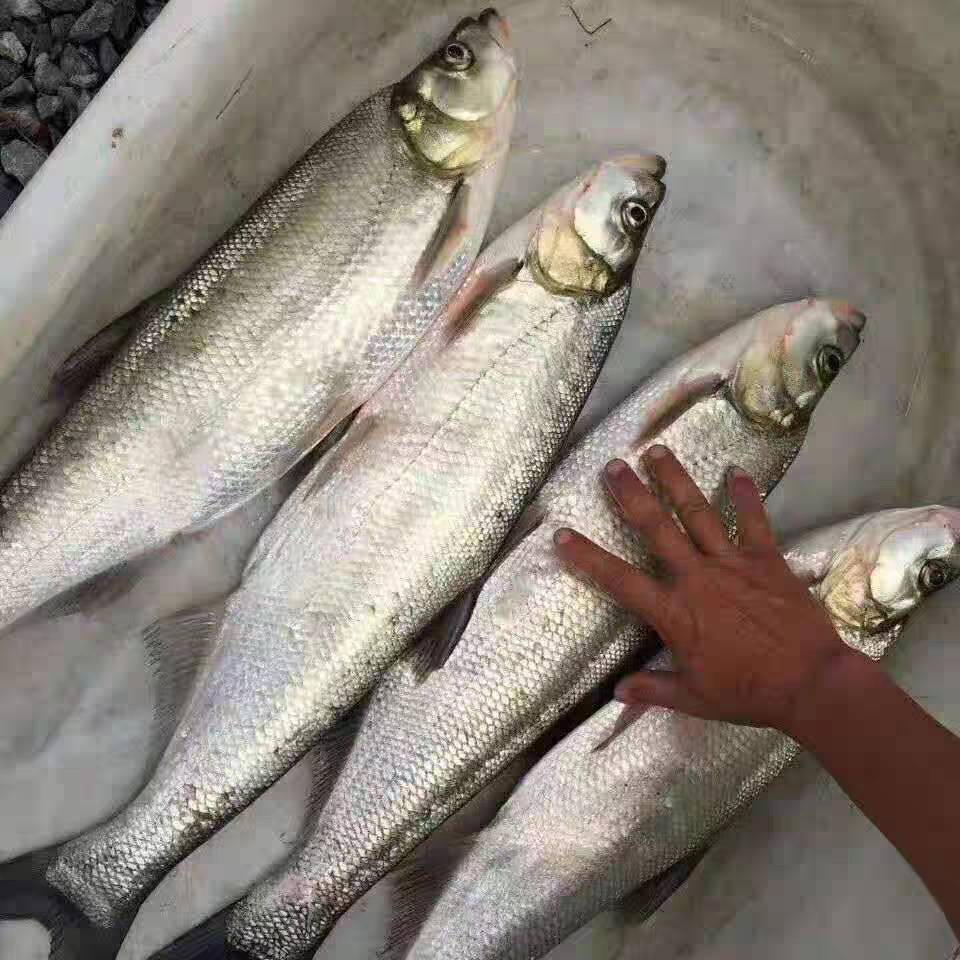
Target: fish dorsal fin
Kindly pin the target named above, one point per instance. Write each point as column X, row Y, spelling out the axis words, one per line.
column 176, row 649
column 674, row 404
column 482, row 284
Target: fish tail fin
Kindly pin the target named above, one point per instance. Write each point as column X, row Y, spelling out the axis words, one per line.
column 205, row 942
column 26, row 894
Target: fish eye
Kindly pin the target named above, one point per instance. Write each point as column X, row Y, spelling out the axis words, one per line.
column 457, row 55
column 634, row 215
column 830, row 361
column 934, row 574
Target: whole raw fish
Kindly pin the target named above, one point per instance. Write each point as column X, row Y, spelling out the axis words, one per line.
column 286, row 327
column 392, row 525
column 539, row 639
column 589, row 826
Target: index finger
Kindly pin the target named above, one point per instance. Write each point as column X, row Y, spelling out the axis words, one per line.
column 629, row 587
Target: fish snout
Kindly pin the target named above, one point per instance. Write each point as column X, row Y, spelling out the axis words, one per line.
column 635, row 165
column 496, row 26
column 849, row 315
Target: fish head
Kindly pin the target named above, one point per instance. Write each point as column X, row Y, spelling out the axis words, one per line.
column 457, row 108
column 590, row 234
column 884, row 567
column 796, row 351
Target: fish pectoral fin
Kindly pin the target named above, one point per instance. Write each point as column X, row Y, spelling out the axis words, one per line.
column 26, row 894
column 465, row 305
column 176, row 648
column 449, row 238
column 644, row 902
column 680, row 399
column 441, row 637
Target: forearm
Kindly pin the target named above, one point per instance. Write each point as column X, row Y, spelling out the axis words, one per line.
column 896, row 763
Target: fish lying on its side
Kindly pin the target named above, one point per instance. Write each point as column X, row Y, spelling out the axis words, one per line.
column 279, row 333
column 589, row 826
column 405, row 513
column 539, row 639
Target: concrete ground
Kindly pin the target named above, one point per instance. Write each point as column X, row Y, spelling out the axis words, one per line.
column 813, row 148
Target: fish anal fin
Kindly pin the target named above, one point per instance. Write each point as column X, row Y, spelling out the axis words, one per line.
column 175, row 649
column 337, row 421
column 326, row 761
column 360, row 429
column 99, row 591
column 677, row 401
column 476, row 290
column 88, row 359
column 441, row 637
column 415, row 885
column 644, row 902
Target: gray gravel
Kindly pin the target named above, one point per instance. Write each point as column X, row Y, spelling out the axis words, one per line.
column 12, row 48
column 21, row 160
column 54, row 56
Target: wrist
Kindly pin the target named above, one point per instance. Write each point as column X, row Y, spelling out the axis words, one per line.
column 831, row 697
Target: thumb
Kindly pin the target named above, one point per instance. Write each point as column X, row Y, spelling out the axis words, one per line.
column 661, row 688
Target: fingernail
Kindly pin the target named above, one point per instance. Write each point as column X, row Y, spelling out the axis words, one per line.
column 616, row 469
column 622, row 693
column 740, row 481
column 562, row 536
column 657, row 452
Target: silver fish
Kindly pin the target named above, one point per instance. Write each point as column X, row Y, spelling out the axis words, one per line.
column 589, row 826
column 390, row 527
column 539, row 639
column 286, row 327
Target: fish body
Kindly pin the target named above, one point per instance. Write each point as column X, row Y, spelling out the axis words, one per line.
column 538, row 638
column 390, row 527
column 591, row 824
column 283, row 329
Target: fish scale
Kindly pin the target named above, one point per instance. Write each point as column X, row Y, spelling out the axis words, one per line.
column 391, row 526
column 296, row 315
column 590, row 824
column 539, row 638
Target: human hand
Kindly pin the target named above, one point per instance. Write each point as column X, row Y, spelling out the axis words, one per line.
column 750, row 643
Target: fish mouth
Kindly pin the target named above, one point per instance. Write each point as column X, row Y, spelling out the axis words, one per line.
column 639, row 163
column 949, row 517
column 848, row 314
column 496, row 26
